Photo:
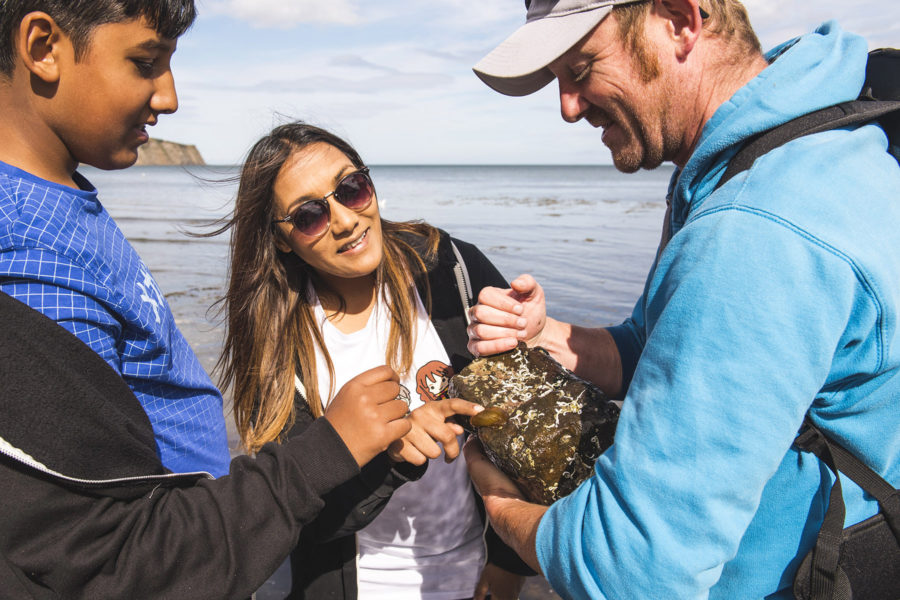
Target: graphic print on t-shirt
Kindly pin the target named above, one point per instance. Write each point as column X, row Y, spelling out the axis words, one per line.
column 426, row 543
column 432, row 380
column 150, row 293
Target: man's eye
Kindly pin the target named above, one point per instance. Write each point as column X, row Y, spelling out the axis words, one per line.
column 582, row 72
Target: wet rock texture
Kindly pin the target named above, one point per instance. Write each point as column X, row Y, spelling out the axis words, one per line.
column 546, row 426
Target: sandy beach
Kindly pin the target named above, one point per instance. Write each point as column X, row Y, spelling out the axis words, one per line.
column 536, row 588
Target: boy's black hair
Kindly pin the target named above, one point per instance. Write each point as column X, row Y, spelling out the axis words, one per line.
column 78, row 18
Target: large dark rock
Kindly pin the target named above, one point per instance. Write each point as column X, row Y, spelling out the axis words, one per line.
column 543, row 426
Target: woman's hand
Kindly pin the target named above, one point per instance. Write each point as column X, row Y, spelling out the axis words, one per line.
column 503, row 317
column 430, row 427
column 367, row 414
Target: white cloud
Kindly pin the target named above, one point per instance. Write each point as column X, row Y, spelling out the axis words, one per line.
column 775, row 22
column 450, row 16
column 398, row 82
column 281, row 14
column 469, row 16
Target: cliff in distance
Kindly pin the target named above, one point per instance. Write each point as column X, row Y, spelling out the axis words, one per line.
column 161, row 152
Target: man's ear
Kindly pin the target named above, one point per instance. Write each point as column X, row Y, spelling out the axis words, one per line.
column 39, row 44
column 685, row 23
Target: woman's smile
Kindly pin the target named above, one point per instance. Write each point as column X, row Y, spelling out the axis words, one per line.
column 356, row 244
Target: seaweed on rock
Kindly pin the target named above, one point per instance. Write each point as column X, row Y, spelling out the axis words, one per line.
column 544, row 426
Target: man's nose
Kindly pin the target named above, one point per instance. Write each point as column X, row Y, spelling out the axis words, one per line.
column 572, row 104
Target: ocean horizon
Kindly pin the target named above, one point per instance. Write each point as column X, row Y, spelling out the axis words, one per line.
column 587, row 233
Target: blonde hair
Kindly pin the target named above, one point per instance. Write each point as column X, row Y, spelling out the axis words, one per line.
column 727, row 20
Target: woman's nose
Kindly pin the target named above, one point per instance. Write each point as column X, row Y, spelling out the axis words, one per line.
column 343, row 219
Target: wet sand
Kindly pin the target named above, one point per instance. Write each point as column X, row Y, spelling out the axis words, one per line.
column 536, row 588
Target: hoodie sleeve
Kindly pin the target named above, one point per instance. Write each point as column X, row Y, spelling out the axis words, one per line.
column 746, row 314
column 629, row 340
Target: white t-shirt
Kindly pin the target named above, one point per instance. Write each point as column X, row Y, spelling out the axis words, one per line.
column 427, row 542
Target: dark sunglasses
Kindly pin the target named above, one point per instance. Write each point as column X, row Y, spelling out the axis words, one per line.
column 313, row 218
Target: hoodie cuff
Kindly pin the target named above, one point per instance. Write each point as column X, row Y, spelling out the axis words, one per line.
column 629, row 347
column 323, row 457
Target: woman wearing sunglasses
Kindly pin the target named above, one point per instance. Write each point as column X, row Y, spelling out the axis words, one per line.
column 322, row 288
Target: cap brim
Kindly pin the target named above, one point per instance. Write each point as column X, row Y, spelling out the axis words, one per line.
column 518, row 66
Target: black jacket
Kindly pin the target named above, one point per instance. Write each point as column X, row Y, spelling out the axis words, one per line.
column 324, row 563
column 87, row 509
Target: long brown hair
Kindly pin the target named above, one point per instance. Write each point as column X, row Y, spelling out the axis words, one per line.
column 271, row 327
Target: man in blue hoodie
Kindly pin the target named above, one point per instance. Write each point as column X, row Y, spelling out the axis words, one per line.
column 773, row 297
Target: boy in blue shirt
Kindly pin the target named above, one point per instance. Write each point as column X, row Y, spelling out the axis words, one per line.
column 80, row 81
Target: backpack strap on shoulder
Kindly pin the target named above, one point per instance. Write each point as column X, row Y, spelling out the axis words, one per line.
column 831, row 117
column 878, row 100
column 824, row 572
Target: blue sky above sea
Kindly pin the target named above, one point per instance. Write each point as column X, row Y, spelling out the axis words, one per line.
column 394, row 77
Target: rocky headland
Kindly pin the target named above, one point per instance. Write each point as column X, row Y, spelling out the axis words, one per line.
column 161, row 152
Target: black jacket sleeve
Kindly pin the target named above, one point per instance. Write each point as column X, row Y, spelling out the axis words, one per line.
column 146, row 535
column 323, row 562
column 214, row 539
column 356, row 502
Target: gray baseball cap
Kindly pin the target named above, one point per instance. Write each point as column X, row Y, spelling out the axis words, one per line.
column 518, row 66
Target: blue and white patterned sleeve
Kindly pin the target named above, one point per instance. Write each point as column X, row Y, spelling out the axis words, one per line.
column 41, row 279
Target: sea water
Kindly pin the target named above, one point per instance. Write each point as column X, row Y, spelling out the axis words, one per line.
column 588, row 234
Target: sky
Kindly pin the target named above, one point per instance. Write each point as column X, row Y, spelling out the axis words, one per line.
column 394, row 77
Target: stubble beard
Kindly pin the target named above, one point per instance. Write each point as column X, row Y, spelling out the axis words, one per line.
column 637, row 152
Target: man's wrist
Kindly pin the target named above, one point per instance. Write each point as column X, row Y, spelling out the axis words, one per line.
column 516, row 521
column 554, row 338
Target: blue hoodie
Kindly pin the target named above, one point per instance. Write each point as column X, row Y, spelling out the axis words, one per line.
column 777, row 295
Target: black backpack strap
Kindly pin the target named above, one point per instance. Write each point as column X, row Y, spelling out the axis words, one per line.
column 879, row 97
column 831, row 117
column 826, row 552
column 811, row 439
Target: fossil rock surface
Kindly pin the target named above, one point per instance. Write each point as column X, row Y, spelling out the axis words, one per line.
column 544, row 426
